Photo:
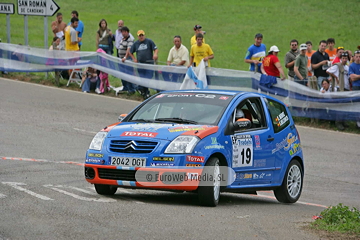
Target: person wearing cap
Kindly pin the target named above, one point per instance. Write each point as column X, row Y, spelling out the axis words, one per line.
column 300, row 66
column 200, row 51
column 197, row 29
column 271, row 65
column 290, row 58
column 147, row 53
column 256, row 53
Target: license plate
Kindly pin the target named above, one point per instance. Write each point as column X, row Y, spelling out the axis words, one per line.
column 128, row 161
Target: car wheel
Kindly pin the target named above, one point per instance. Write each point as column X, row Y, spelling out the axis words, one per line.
column 210, row 195
column 290, row 190
column 105, row 189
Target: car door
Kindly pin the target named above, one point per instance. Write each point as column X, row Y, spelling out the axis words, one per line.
column 252, row 158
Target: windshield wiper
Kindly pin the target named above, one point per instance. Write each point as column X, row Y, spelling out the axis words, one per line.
column 176, row 120
column 141, row 120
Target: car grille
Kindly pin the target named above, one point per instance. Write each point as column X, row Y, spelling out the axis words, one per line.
column 126, row 146
column 126, row 175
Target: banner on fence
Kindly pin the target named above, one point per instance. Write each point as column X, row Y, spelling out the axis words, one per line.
column 302, row 101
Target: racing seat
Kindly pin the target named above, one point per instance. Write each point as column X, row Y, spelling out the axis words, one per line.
column 247, row 114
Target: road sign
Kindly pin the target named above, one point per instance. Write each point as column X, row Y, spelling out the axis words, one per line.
column 37, row 8
column 7, row 8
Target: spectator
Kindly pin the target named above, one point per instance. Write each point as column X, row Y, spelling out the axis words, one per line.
column 79, row 28
column 124, row 53
column 340, row 79
column 90, row 80
column 320, row 62
column 147, row 53
column 290, row 58
column 326, row 87
column 197, row 29
column 71, row 37
column 200, row 51
column 103, row 78
column 311, row 79
column 256, row 53
column 271, row 65
column 104, row 37
column 119, row 36
column 331, row 51
column 354, row 72
column 178, row 54
column 300, row 66
column 55, row 45
column 339, row 51
column 58, row 26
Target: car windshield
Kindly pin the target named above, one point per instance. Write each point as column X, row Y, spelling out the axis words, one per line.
column 186, row 108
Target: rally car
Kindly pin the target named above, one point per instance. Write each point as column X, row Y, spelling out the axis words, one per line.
column 249, row 139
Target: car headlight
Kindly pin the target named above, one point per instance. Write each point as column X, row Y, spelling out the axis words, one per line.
column 98, row 140
column 182, row 144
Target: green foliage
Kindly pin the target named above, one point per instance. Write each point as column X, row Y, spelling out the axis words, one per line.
column 230, row 25
column 339, row 218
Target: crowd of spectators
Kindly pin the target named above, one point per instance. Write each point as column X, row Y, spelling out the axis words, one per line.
column 308, row 67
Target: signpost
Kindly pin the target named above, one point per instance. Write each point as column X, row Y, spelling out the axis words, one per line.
column 37, row 8
column 7, row 8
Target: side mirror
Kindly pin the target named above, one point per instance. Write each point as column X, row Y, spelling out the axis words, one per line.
column 121, row 117
column 241, row 124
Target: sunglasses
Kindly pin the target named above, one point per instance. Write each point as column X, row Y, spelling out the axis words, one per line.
column 357, row 52
column 141, row 35
column 339, row 48
column 293, row 44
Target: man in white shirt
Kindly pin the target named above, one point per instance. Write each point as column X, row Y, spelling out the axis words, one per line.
column 119, row 36
column 178, row 56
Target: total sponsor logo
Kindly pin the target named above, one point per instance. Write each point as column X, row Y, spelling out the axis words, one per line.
column 195, row 158
column 139, row 134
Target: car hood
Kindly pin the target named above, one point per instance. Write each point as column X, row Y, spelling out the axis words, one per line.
column 167, row 131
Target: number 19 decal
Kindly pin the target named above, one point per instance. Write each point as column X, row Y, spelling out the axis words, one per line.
column 242, row 151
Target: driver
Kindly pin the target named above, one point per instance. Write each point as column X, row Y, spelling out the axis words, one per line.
column 239, row 114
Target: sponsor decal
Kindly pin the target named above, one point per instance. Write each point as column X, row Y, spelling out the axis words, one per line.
column 161, row 164
column 214, row 144
column 223, row 98
column 96, row 155
column 260, row 163
column 295, row 147
column 139, row 134
column 186, row 128
column 193, row 165
column 262, row 175
column 180, row 95
column 285, row 143
column 244, row 175
column 170, row 159
column 195, row 158
column 93, row 160
column 281, row 119
column 160, row 96
column 257, row 142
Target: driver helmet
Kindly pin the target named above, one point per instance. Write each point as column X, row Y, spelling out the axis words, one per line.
column 239, row 114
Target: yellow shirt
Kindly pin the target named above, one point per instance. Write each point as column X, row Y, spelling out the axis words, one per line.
column 200, row 52
column 193, row 40
column 71, row 36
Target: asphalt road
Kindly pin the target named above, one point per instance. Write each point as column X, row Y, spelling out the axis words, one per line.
column 45, row 131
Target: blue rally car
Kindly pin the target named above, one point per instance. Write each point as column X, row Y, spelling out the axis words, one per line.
column 249, row 138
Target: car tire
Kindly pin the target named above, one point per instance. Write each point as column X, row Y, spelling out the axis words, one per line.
column 290, row 190
column 105, row 189
column 210, row 195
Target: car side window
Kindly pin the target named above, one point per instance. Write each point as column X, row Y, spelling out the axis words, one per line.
column 279, row 116
column 252, row 110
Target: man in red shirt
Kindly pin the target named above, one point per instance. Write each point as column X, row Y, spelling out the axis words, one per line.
column 339, row 51
column 271, row 65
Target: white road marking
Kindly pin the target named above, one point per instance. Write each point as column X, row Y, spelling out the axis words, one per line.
column 122, row 190
column 57, row 188
column 2, row 196
column 82, row 130
column 17, row 185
